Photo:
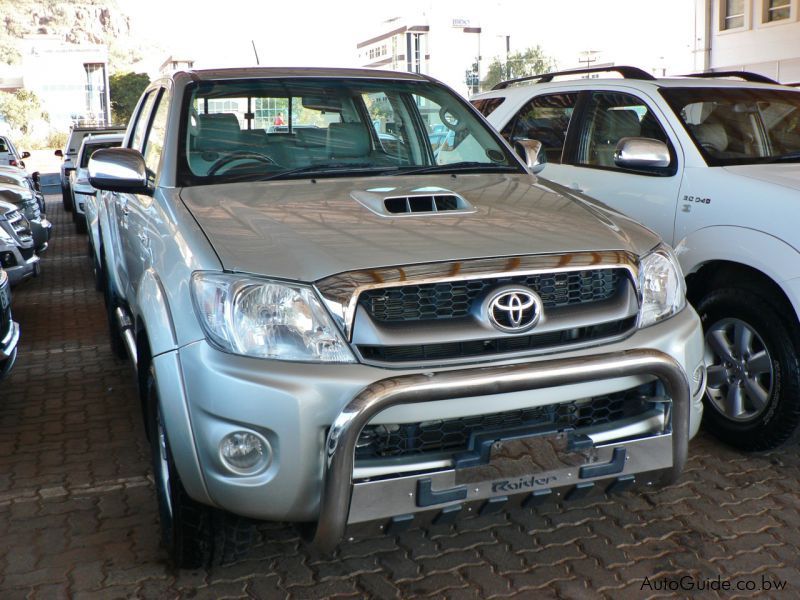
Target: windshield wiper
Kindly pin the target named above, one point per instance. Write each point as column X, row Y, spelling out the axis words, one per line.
column 459, row 166
column 323, row 169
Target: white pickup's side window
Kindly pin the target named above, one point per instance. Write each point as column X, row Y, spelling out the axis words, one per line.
column 611, row 116
column 545, row 119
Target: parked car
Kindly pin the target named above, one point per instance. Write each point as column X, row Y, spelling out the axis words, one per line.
column 81, row 190
column 712, row 165
column 26, row 202
column 20, row 177
column 69, row 154
column 17, row 252
column 9, row 154
column 328, row 333
column 9, row 330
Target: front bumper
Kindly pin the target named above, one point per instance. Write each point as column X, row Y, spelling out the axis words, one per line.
column 293, row 405
column 8, row 349
column 42, row 230
column 342, row 503
column 17, row 266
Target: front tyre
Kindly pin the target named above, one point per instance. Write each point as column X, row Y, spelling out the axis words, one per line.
column 195, row 535
column 753, row 393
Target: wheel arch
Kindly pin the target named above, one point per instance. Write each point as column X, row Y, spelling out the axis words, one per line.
column 712, row 256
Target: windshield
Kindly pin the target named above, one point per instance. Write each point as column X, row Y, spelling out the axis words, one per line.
column 288, row 128
column 734, row 126
column 90, row 149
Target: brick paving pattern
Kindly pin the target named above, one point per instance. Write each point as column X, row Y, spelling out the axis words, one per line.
column 78, row 514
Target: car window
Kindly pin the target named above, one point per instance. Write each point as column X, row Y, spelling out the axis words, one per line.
column 155, row 136
column 740, row 125
column 611, row 116
column 387, row 124
column 545, row 119
column 239, row 130
column 3, row 146
column 487, row 106
column 142, row 117
column 90, row 149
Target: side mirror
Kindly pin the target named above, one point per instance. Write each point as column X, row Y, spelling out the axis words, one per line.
column 26, row 154
column 119, row 170
column 532, row 154
column 641, row 153
column 58, row 153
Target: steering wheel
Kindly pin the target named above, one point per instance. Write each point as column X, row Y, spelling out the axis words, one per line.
column 241, row 155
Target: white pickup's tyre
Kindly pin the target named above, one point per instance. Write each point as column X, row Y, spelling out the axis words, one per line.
column 195, row 535
column 753, row 394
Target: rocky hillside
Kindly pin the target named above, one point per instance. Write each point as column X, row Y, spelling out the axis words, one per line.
column 76, row 21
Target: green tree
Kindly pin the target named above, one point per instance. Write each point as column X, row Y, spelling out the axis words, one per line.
column 518, row 64
column 21, row 110
column 125, row 90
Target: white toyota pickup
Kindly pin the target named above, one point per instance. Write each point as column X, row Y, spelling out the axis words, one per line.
column 713, row 165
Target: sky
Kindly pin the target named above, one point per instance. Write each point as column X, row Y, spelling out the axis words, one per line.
column 324, row 33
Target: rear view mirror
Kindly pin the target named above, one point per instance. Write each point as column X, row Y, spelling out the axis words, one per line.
column 118, row 170
column 531, row 153
column 322, row 103
column 641, row 153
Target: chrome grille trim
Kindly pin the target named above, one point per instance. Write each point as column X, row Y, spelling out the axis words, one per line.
column 341, row 292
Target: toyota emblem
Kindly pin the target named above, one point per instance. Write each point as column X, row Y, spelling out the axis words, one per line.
column 514, row 309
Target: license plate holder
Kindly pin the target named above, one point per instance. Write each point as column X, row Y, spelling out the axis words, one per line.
column 528, row 455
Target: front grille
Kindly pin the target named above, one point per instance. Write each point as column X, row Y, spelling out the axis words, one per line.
column 454, row 299
column 452, row 436
column 472, row 348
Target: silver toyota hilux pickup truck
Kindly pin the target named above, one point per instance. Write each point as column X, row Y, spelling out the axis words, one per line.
column 335, row 322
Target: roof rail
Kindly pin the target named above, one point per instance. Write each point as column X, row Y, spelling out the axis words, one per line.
column 745, row 75
column 626, row 72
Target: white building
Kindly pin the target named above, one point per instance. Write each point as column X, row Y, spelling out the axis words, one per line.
column 762, row 36
column 70, row 80
column 437, row 41
column 173, row 63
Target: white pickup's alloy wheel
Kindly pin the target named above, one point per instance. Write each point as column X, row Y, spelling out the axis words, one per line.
column 740, row 372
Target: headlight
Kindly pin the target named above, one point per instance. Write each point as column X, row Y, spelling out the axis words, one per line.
column 661, row 286
column 266, row 319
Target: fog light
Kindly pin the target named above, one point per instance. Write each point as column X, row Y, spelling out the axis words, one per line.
column 245, row 452
column 698, row 379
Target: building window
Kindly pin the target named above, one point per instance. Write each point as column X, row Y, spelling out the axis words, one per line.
column 732, row 14
column 776, row 10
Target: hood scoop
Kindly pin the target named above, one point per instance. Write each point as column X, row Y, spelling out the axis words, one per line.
column 429, row 201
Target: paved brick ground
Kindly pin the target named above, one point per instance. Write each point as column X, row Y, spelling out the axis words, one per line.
column 78, row 514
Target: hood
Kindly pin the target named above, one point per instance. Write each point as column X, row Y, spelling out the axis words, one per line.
column 783, row 174
column 15, row 194
column 304, row 230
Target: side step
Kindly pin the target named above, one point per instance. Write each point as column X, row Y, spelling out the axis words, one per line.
column 126, row 330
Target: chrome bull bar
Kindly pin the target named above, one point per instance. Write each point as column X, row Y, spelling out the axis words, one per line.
column 337, row 488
